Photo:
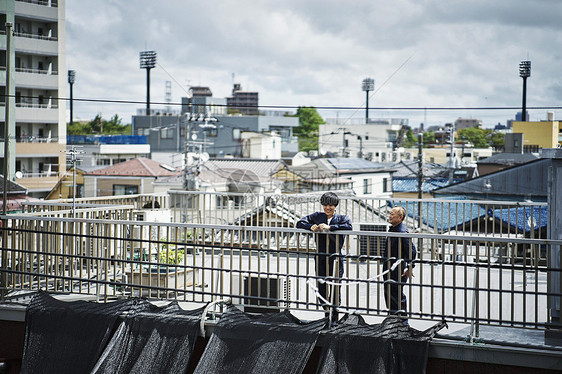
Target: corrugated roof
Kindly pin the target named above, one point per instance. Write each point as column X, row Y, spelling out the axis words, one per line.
column 526, row 181
column 509, row 159
column 138, row 167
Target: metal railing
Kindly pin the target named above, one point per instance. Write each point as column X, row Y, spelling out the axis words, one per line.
column 460, row 277
column 49, row 3
column 34, row 71
column 35, row 36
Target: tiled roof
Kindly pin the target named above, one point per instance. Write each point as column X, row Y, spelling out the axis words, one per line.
column 443, row 215
column 261, row 168
column 410, row 169
column 447, row 215
column 523, row 218
column 13, row 187
column 138, row 167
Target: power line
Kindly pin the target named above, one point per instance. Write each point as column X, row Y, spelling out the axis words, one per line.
column 325, row 107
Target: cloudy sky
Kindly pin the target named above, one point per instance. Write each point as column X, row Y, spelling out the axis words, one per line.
column 421, row 54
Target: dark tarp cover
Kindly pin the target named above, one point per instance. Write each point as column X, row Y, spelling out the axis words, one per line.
column 157, row 341
column 353, row 346
column 269, row 343
column 68, row 337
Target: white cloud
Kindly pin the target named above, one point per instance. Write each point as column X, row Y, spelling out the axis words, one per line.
column 308, row 52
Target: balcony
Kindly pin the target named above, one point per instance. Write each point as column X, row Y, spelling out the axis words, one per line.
column 36, row 44
column 485, row 271
column 38, row 147
column 46, row 10
column 35, row 78
column 33, row 112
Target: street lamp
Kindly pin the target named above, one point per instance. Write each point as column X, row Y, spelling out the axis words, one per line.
column 71, row 80
column 524, row 72
column 147, row 61
column 368, row 85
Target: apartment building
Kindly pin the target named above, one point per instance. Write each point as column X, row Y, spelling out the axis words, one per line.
column 37, row 124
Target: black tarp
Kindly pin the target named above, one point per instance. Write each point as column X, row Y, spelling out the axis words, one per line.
column 157, row 341
column 68, row 337
column 353, row 346
column 269, row 343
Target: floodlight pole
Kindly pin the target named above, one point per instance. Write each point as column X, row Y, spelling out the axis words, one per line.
column 71, row 80
column 524, row 72
column 147, row 61
column 367, row 85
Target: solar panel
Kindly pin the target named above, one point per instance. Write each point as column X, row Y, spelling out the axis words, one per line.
column 352, row 163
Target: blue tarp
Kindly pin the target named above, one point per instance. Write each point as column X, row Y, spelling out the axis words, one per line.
column 106, row 139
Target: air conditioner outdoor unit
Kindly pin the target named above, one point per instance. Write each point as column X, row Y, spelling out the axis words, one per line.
column 363, row 245
column 269, row 293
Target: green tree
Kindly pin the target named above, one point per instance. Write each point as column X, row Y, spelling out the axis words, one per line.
column 99, row 126
column 428, row 138
column 307, row 130
column 410, row 140
column 475, row 135
column 497, row 139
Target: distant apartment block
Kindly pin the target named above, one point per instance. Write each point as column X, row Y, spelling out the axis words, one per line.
column 466, row 123
column 201, row 101
column 37, row 79
column 242, row 101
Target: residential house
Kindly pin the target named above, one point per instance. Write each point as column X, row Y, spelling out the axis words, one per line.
column 16, row 196
column 366, row 178
column 405, row 178
column 131, row 177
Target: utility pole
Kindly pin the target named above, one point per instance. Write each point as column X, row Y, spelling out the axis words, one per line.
column 420, row 185
column 451, row 159
column 191, row 176
column 72, row 156
column 4, row 275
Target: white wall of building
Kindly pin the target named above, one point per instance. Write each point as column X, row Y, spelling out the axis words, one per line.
column 265, row 146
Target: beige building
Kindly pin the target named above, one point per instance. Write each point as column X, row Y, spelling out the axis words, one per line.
column 37, row 78
column 466, row 123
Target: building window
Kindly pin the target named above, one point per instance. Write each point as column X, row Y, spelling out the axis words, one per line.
column 367, row 186
column 385, row 185
column 167, row 133
column 125, row 189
